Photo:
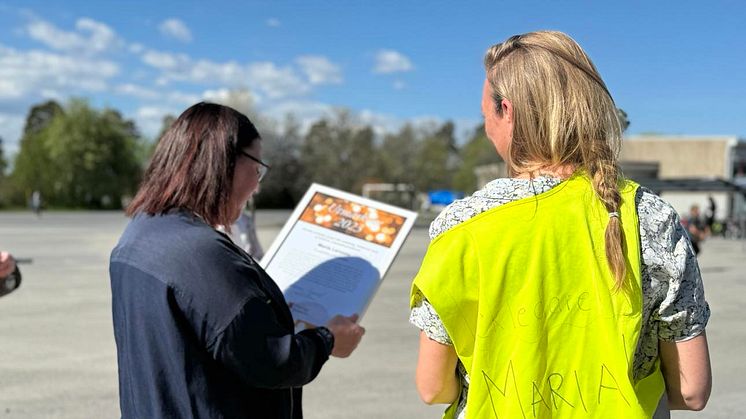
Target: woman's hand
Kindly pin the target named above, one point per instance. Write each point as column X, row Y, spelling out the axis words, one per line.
column 347, row 334
column 7, row 264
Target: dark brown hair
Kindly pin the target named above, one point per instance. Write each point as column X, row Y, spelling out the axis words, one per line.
column 194, row 162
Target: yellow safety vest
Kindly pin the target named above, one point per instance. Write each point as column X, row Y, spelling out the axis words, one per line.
column 525, row 293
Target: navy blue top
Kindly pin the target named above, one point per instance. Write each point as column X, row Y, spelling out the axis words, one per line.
column 201, row 330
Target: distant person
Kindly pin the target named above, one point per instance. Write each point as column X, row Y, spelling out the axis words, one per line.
column 697, row 228
column 244, row 230
column 243, row 233
column 563, row 290
column 711, row 213
column 201, row 330
column 10, row 275
column 36, row 203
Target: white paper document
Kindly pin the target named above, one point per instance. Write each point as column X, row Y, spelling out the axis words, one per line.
column 332, row 253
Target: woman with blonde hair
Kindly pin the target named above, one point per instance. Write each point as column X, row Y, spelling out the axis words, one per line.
column 564, row 290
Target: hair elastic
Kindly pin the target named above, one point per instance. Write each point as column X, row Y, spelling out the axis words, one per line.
column 614, row 214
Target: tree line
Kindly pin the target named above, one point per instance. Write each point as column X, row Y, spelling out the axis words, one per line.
column 77, row 156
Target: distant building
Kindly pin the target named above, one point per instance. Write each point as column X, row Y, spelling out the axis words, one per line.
column 705, row 165
column 685, row 170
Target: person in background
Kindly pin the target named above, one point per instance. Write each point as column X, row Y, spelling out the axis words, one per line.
column 10, row 275
column 564, row 290
column 711, row 214
column 697, row 228
column 201, row 330
column 243, row 233
column 36, row 203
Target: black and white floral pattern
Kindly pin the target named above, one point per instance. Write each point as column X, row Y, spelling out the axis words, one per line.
column 674, row 307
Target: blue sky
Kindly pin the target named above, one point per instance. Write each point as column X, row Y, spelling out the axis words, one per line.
column 675, row 67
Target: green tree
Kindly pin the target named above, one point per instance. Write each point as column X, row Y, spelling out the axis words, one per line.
column 284, row 185
column 338, row 153
column 4, row 184
column 397, row 154
column 81, row 158
column 166, row 123
column 436, row 160
column 3, row 162
column 32, row 169
column 148, row 147
column 477, row 151
column 40, row 116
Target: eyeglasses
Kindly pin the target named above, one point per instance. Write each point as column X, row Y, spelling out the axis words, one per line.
column 263, row 167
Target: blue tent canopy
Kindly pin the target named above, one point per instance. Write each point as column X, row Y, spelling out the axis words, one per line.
column 444, row 196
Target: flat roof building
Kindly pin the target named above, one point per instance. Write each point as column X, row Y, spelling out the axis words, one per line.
column 717, row 161
column 684, row 170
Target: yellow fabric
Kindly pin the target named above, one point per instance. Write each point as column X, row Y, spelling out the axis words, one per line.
column 526, row 295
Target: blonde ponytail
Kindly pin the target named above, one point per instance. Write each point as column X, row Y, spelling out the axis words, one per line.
column 563, row 116
column 605, row 178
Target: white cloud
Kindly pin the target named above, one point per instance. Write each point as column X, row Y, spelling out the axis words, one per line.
column 139, row 92
column 176, row 29
column 183, row 98
column 264, row 77
column 205, row 71
column 150, row 118
column 55, row 38
column 320, row 70
column 390, row 61
column 90, row 37
column 144, row 93
column 23, row 74
column 32, row 76
column 273, row 22
column 305, row 112
column 102, row 37
column 11, row 126
column 385, row 123
column 52, row 94
column 217, row 95
column 166, row 61
column 225, row 96
column 274, row 81
column 136, row 48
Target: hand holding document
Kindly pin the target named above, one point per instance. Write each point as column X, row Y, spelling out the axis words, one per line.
column 330, row 257
column 347, row 334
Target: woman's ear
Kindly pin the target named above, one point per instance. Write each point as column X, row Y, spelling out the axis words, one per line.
column 506, row 109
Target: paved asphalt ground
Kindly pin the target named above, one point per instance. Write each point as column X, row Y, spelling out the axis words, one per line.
column 58, row 360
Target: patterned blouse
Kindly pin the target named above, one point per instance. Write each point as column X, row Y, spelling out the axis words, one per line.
column 674, row 306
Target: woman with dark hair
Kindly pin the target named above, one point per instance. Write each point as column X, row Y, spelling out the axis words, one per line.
column 201, row 330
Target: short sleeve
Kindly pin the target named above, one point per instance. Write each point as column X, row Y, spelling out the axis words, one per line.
column 669, row 258
column 424, row 316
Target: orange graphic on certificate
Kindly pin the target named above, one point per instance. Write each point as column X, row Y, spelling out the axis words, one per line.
column 356, row 220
